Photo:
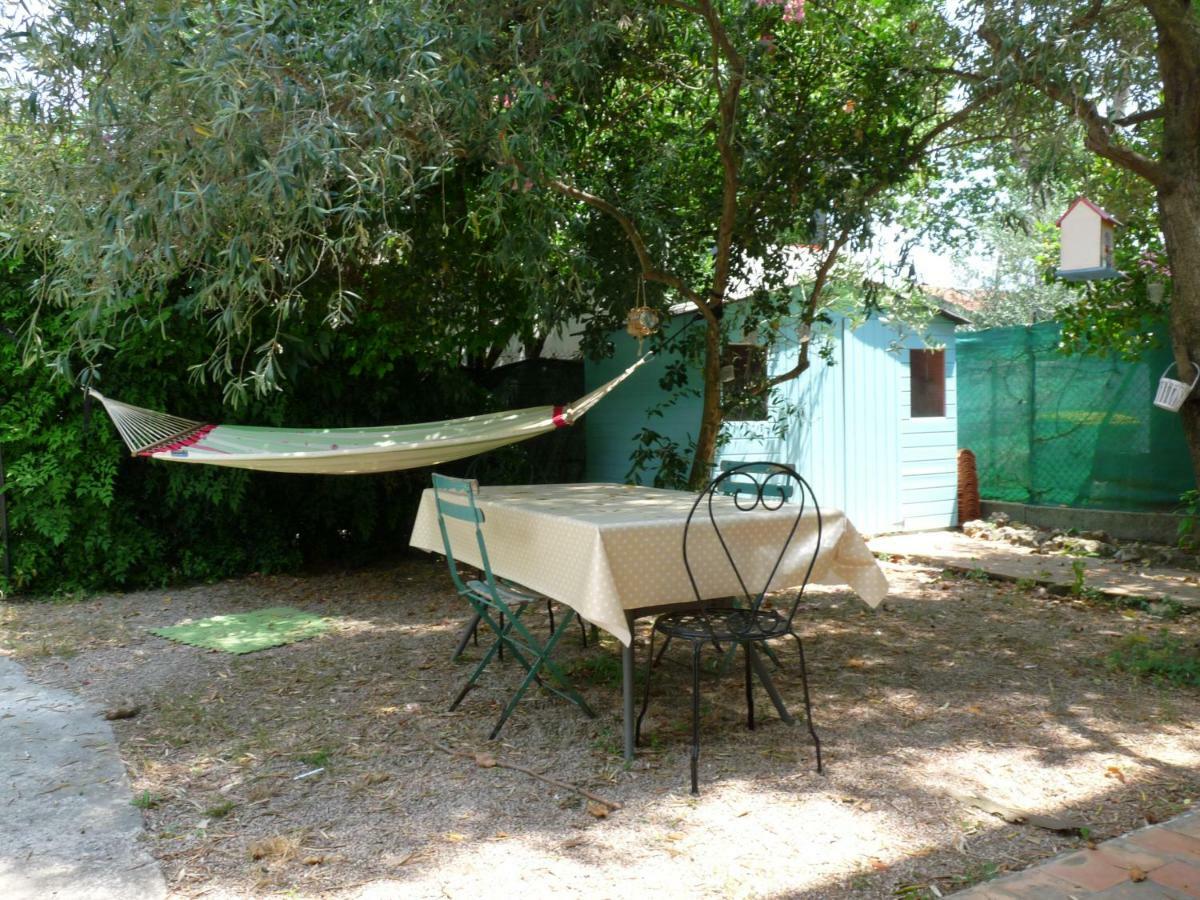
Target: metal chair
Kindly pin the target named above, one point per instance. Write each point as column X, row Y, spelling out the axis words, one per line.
column 499, row 606
column 750, row 486
column 521, row 593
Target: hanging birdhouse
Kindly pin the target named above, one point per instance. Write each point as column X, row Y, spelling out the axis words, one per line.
column 1086, row 242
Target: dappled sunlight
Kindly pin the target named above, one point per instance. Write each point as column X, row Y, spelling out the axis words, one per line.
column 328, row 757
column 717, row 845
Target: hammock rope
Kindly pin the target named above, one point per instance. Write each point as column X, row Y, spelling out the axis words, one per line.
column 339, row 451
column 141, row 429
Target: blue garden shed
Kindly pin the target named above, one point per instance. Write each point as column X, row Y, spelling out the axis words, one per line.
column 875, row 432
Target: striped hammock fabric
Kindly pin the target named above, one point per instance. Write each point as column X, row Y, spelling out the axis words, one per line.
column 339, row 451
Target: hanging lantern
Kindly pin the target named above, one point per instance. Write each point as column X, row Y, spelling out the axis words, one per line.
column 641, row 322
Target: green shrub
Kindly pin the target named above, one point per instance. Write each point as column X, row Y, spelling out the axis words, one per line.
column 1160, row 657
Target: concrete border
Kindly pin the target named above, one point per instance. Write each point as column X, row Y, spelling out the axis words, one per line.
column 1157, row 528
column 67, row 826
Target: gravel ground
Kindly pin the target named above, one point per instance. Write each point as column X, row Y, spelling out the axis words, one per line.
column 954, row 686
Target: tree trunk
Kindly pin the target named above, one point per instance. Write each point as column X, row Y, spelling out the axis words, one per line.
column 1179, row 212
column 710, row 419
column 1179, row 195
column 534, row 344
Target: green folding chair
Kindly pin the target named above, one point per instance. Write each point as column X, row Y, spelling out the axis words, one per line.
column 500, row 607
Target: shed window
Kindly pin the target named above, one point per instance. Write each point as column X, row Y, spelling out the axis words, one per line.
column 749, row 363
column 928, row 370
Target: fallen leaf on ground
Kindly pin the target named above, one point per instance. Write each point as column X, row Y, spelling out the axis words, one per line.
column 396, row 859
column 122, row 712
column 281, row 847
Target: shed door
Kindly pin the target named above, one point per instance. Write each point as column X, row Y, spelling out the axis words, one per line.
column 871, row 456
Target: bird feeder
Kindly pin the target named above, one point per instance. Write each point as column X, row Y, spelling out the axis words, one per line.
column 1086, row 242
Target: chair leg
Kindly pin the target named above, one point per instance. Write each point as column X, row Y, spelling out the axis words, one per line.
column 471, row 630
column 808, row 703
column 766, row 648
column 557, row 675
column 666, row 644
column 540, row 661
column 696, row 717
column 487, row 658
column 502, row 629
column 550, row 613
column 583, row 631
column 637, row 731
column 746, row 651
column 496, row 649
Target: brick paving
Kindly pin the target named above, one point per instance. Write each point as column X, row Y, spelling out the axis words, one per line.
column 1160, row 861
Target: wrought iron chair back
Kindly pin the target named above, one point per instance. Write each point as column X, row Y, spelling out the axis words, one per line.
column 753, row 486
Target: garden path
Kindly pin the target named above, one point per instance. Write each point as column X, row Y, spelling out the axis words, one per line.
column 1001, row 560
column 67, row 828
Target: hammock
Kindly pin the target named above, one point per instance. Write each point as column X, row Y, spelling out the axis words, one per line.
column 339, row 451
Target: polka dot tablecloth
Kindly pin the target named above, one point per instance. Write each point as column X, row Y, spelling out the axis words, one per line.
column 603, row 549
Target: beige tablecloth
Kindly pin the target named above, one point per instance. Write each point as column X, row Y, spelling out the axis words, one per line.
column 605, row 548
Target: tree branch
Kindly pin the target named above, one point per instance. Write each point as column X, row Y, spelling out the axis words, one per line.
column 649, row 271
column 730, row 163
column 951, row 121
column 1100, row 139
column 1088, row 17
column 721, row 36
column 810, row 311
column 823, row 270
column 1138, row 117
column 1099, row 130
column 960, row 74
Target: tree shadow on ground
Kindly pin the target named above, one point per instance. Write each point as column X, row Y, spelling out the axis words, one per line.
column 953, row 686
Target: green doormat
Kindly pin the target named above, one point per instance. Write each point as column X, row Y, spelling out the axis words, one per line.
column 247, row 632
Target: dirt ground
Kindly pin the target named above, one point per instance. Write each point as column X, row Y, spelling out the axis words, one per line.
column 954, row 686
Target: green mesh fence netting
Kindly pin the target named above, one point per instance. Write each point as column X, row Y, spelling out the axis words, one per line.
column 1057, row 430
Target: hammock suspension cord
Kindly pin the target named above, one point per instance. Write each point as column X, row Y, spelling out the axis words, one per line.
column 141, row 429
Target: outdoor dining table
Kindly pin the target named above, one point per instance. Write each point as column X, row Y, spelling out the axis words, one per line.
column 614, row 553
